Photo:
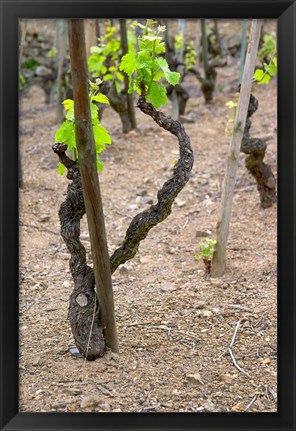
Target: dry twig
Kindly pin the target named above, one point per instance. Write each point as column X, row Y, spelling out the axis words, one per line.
column 230, row 351
column 251, row 403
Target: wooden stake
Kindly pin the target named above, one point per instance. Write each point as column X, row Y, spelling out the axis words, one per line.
column 90, row 181
column 219, row 257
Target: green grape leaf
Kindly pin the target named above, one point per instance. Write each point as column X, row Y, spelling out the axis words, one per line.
column 94, row 113
column 157, row 95
column 172, row 77
column 128, row 63
column 108, row 77
column 261, row 76
column 119, row 76
column 117, row 86
column 271, row 69
column 61, row 169
column 95, row 50
column 66, row 134
column 159, row 74
column 70, row 114
column 100, row 166
column 94, row 65
column 100, row 98
column 101, row 137
column 68, row 104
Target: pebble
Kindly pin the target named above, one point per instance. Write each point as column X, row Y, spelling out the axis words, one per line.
column 90, row 401
column 168, row 287
column 181, row 204
column 57, row 406
column 123, row 269
column 210, row 406
column 147, row 200
column 200, row 305
column 132, row 207
column 240, row 407
column 44, row 218
column 141, row 192
column 144, row 259
column 207, row 313
column 105, row 407
column 73, row 391
column 75, row 352
column 194, row 378
column 228, row 378
column 38, row 360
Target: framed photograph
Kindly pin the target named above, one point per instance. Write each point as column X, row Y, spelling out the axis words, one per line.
column 120, row 118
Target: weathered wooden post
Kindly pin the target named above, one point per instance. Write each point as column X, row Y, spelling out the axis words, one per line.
column 219, row 257
column 90, row 181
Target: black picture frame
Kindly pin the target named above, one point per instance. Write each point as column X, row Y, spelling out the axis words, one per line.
column 282, row 10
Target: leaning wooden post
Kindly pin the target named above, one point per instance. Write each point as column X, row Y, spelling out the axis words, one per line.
column 243, row 48
column 90, row 181
column 219, row 257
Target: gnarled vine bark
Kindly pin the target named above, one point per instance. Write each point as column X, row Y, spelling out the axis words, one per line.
column 83, row 307
column 256, row 148
column 86, row 328
column 144, row 221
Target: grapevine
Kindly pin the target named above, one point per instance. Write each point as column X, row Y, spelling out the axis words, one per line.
column 66, row 132
column 147, row 67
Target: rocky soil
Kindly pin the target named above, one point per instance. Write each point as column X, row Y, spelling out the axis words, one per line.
column 175, row 324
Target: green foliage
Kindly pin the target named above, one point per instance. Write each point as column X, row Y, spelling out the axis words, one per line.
column 22, row 80
column 30, row 63
column 190, row 55
column 268, row 48
column 232, row 105
column 147, row 67
column 105, row 58
column 178, row 45
column 66, row 132
column 267, row 55
column 52, row 53
column 206, row 249
column 262, row 76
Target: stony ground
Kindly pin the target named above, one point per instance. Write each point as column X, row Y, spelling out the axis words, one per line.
column 174, row 324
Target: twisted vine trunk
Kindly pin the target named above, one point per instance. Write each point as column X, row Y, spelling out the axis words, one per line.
column 144, row 221
column 83, row 305
column 256, row 149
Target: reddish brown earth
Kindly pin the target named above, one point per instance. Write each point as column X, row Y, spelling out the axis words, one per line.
column 174, row 324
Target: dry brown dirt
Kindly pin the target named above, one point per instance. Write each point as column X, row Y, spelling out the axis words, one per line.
column 174, row 324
